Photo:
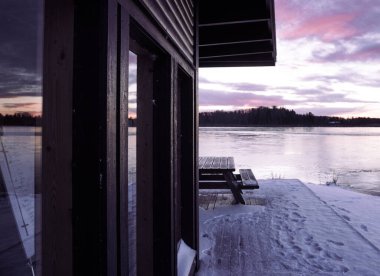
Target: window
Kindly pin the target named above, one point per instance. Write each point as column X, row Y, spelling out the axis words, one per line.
column 20, row 136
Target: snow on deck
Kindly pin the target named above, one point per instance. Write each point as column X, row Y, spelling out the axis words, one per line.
column 295, row 230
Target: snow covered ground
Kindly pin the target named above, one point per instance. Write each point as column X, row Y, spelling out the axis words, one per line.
column 297, row 229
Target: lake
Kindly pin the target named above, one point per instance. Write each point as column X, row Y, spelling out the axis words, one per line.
column 311, row 154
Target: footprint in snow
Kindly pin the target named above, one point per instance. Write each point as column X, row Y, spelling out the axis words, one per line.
column 295, row 205
column 336, row 242
column 296, row 215
column 277, row 227
column 297, row 249
column 334, row 256
column 346, row 218
column 308, row 240
column 344, row 210
column 362, row 226
column 316, row 247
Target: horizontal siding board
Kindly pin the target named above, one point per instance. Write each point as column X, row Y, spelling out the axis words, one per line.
column 190, row 6
column 165, row 10
column 175, row 20
column 180, row 20
column 187, row 21
column 186, row 12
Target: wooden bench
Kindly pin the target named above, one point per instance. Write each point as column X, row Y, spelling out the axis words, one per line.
column 235, row 182
column 248, row 180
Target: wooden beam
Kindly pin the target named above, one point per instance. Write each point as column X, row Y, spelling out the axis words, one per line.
column 187, row 155
column 205, row 64
column 112, row 141
column 123, row 81
column 241, row 58
column 272, row 27
column 234, row 22
column 232, row 43
column 144, row 188
column 164, row 223
column 237, row 56
column 57, row 234
column 195, row 100
column 234, row 33
column 236, row 49
column 92, row 244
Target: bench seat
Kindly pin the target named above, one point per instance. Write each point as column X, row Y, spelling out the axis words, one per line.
column 245, row 179
column 248, row 180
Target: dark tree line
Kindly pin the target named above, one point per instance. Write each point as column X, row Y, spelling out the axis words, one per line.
column 20, row 119
column 132, row 122
column 275, row 116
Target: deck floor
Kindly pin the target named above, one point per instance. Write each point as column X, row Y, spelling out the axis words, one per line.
column 285, row 229
column 211, row 199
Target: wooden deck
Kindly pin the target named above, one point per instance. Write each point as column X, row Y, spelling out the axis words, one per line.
column 211, row 199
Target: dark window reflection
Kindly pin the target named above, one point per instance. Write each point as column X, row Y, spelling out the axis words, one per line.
column 20, row 135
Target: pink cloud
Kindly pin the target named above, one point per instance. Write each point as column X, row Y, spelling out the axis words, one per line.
column 239, row 99
column 285, row 11
column 364, row 52
column 367, row 53
column 326, row 27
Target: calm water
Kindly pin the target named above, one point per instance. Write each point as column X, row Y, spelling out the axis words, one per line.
column 315, row 155
column 20, row 165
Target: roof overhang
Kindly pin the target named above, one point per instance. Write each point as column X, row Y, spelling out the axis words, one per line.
column 236, row 33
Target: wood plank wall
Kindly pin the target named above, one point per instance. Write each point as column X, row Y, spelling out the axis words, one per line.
column 177, row 19
column 84, row 206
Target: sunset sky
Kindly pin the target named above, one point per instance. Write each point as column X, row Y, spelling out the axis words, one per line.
column 20, row 56
column 328, row 55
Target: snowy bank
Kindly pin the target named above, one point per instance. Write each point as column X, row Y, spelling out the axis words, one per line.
column 296, row 229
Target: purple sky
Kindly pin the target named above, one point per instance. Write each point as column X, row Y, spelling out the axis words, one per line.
column 20, row 56
column 328, row 61
column 328, row 55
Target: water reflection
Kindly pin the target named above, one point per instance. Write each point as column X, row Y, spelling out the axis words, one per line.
column 21, row 28
column 18, row 164
column 132, row 181
column 313, row 155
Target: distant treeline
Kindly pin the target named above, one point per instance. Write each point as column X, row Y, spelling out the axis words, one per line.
column 262, row 116
column 20, row 119
column 275, row 116
column 132, row 122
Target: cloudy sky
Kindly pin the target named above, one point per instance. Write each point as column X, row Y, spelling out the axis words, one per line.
column 328, row 61
column 20, row 56
column 328, row 54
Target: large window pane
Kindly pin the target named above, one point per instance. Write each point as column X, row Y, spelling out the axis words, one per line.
column 20, row 135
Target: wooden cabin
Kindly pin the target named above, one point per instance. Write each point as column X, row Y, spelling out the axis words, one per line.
column 86, row 58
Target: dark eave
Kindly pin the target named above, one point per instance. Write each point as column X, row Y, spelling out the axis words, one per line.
column 236, row 33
